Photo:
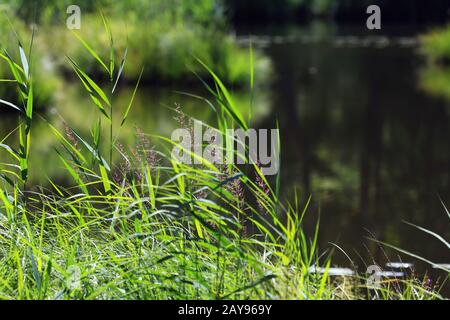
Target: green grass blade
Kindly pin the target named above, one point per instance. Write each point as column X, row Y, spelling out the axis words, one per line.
column 9, row 104
column 122, row 66
column 111, row 45
column 24, row 60
column 230, row 105
column 91, row 83
column 434, row 234
column 90, row 50
column 105, row 178
column 125, row 116
column 29, row 109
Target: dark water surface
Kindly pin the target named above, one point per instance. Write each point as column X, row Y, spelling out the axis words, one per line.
column 359, row 134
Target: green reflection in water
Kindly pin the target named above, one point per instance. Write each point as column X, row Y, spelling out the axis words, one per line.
column 152, row 112
column 435, row 80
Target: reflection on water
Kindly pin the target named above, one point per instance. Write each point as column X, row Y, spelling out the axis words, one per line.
column 436, row 81
column 360, row 136
column 152, row 112
column 358, row 133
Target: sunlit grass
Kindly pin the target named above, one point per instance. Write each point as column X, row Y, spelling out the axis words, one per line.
column 133, row 223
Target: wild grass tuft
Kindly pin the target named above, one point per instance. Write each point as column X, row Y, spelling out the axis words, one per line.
column 136, row 224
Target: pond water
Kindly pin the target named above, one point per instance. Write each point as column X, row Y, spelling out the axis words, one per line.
column 359, row 133
column 362, row 135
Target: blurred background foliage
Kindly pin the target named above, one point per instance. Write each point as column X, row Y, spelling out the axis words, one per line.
column 435, row 75
column 164, row 36
column 46, row 77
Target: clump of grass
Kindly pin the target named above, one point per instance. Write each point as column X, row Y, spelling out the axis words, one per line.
column 24, row 81
column 146, row 234
column 46, row 79
column 160, row 230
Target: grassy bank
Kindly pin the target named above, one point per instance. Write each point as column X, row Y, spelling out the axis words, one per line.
column 166, row 49
column 163, row 36
column 135, row 223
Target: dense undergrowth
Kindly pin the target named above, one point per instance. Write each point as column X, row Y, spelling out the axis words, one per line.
column 162, row 35
column 146, row 226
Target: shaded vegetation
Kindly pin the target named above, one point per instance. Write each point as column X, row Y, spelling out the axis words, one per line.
column 163, row 36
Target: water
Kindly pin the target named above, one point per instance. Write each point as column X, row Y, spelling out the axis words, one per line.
column 360, row 134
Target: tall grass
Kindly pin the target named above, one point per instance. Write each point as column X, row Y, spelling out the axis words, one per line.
column 44, row 78
column 144, row 226
column 141, row 225
column 24, row 81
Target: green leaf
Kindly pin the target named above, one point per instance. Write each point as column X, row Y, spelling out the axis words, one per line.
column 91, row 51
column 132, row 99
column 76, row 154
column 11, row 151
column 94, row 152
column 25, row 65
column 90, row 91
column 9, row 104
column 8, row 206
column 198, row 227
column 74, row 174
column 91, row 83
column 434, row 234
column 105, row 178
column 29, row 110
column 122, row 65
column 16, row 70
column 24, row 139
column 435, row 265
column 111, row 45
column 230, row 106
column 445, row 208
